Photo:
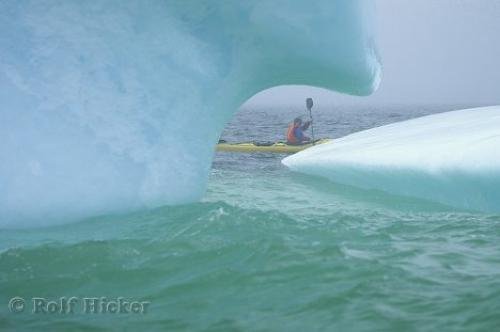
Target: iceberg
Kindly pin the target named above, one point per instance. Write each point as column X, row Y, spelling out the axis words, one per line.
column 107, row 106
column 452, row 158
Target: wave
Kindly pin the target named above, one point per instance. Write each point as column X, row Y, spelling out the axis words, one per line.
column 261, row 268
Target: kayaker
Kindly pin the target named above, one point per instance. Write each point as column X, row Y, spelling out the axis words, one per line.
column 295, row 134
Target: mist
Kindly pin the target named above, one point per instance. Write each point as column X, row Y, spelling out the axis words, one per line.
column 433, row 52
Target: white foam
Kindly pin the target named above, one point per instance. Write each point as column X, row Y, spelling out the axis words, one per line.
column 452, row 158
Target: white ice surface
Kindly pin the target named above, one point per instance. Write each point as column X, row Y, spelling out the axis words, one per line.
column 451, row 158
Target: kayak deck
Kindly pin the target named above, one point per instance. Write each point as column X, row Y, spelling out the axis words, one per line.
column 276, row 147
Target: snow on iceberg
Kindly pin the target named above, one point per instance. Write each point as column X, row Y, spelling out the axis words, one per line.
column 114, row 105
column 451, row 158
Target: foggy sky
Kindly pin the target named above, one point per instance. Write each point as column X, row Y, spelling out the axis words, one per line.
column 433, row 52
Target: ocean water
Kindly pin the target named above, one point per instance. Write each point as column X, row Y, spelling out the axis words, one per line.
column 266, row 250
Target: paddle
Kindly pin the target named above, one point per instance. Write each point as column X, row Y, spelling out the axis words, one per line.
column 309, row 105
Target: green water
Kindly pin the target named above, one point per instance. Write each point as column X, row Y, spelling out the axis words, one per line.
column 266, row 250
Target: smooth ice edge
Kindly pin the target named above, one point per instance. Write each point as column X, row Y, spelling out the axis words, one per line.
column 451, row 158
column 109, row 106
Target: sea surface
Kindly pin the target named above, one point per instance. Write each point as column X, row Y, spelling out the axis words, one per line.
column 266, row 250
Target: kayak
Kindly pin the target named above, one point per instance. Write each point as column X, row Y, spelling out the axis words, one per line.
column 273, row 147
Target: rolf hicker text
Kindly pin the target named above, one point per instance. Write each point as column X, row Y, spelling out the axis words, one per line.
column 73, row 305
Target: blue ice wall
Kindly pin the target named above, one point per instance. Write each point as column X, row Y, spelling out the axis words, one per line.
column 111, row 105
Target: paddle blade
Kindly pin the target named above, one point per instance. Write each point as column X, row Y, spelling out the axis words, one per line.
column 309, row 103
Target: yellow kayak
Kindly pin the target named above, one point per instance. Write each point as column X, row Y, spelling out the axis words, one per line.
column 273, row 147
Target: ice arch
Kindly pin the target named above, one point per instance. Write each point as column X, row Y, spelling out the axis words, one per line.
column 114, row 105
